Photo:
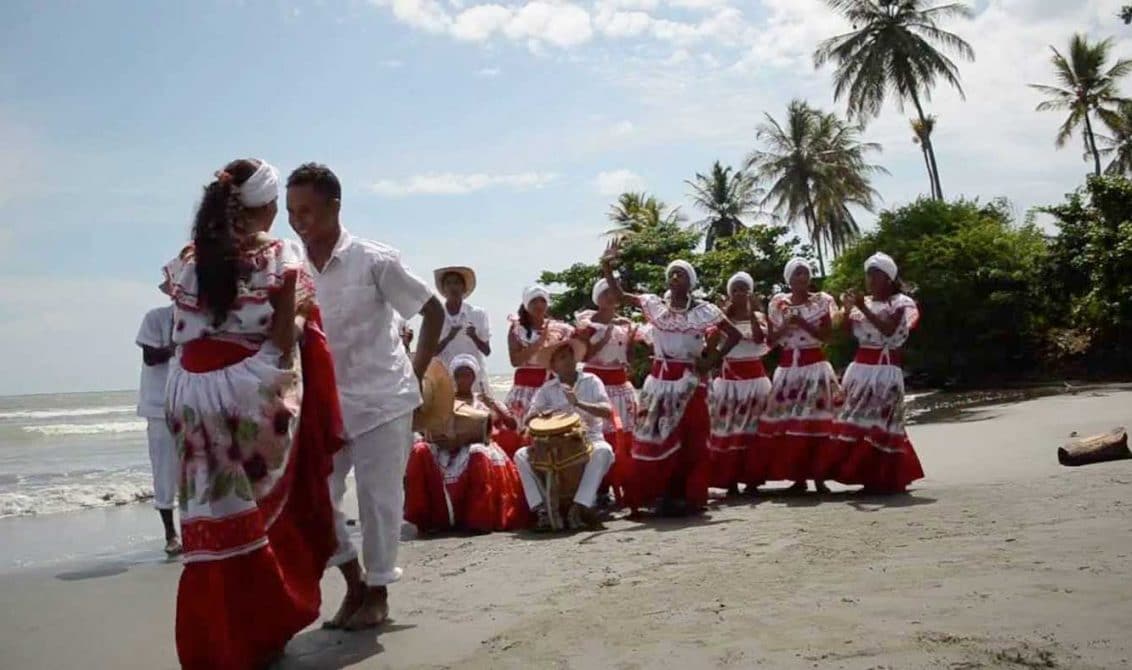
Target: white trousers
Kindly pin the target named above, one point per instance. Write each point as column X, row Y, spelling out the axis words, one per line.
column 601, row 459
column 165, row 463
column 378, row 459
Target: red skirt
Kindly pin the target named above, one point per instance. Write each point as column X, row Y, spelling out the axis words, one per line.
column 479, row 491
column 683, row 474
column 735, row 401
column 240, row 612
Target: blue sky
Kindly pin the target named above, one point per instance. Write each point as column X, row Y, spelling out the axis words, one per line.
column 491, row 134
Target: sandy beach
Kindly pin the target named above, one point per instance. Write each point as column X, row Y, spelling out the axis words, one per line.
column 1000, row 559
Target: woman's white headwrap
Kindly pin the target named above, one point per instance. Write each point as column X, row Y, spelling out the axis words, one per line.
column 740, row 278
column 793, row 266
column 882, row 262
column 531, row 293
column 598, row 289
column 464, row 361
column 260, row 188
column 688, row 270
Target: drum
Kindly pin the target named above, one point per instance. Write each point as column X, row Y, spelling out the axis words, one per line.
column 559, row 451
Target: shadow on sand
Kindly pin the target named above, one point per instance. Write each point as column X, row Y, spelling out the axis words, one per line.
column 331, row 650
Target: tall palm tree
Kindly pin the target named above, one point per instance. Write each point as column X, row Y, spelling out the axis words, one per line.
column 921, row 135
column 727, row 196
column 815, row 167
column 897, row 46
column 637, row 211
column 1119, row 144
column 1084, row 88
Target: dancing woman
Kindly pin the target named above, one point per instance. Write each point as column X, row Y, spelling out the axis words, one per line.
column 870, row 426
column 795, row 428
column 670, row 459
column 255, row 429
column 738, row 396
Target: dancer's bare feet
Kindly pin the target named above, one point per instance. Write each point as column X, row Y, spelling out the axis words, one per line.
column 355, row 595
column 820, row 486
column 373, row 612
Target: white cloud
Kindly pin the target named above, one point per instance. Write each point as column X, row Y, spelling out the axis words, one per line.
column 425, row 15
column 623, row 24
column 488, row 72
column 617, row 182
column 449, row 183
column 561, row 24
column 481, row 22
column 623, row 128
column 393, row 63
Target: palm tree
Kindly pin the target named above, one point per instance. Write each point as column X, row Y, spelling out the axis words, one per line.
column 1119, row 144
column 637, row 211
column 895, row 45
column 726, row 195
column 1084, row 87
column 815, row 167
column 921, row 135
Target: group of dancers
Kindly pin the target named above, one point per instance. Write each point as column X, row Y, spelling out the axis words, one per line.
column 288, row 368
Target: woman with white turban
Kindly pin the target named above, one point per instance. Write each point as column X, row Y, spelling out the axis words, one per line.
column 869, row 430
column 738, row 396
column 458, row 479
column 795, row 428
column 669, row 454
column 609, row 341
column 256, row 430
column 532, row 330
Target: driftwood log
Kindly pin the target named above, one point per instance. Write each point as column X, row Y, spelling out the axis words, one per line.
column 1110, row 446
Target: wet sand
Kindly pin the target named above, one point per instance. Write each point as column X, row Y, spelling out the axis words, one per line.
column 1000, row 559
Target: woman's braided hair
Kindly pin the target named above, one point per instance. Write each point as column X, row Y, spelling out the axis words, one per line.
column 217, row 230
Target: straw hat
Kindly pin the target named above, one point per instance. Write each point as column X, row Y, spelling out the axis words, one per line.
column 468, row 275
column 545, row 356
column 438, row 394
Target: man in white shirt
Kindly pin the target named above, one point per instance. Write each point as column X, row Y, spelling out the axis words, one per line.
column 155, row 337
column 360, row 287
column 582, row 393
column 466, row 328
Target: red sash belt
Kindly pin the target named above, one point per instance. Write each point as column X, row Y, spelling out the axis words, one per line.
column 872, row 356
column 800, row 357
column 532, row 377
column 743, row 369
column 609, row 376
column 207, row 355
column 669, row 370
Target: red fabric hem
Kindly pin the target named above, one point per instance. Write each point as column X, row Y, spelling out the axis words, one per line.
column 877, row 470
column 790, row 458
column 682, row 474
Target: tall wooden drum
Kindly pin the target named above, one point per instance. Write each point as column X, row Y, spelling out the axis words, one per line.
column 559, row 452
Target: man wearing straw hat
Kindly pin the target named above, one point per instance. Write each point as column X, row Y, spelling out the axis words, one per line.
column 466, row 329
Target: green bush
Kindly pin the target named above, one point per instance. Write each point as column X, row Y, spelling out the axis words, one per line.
column 976, row 276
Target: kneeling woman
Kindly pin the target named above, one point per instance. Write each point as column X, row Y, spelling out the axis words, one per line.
column 670, row 456
column 570, row 392
column 737, row 397
column 870, row 426
column 794, row 431
column 457, row 479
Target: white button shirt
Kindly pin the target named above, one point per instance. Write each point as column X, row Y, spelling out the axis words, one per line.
column 588, row 388
column 468, row 315
column 361, row 290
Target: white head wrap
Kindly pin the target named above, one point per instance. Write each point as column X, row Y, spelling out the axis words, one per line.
column 740, row 278
column 882, row 262
column 598, row 289
column 792, row 267
column 260, row 188
column 464, row 361
column 688, row 270
column 532, row 292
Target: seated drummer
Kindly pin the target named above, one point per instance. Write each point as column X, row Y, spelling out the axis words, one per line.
column 457, row 479
column 570, row 392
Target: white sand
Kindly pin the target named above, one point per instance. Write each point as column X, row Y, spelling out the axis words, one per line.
column 1001, row 559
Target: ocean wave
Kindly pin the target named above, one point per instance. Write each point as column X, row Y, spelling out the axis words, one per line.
column 109, row 427
column 61, row 413
column 68, row 498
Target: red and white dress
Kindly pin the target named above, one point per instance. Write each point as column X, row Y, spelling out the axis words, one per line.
column 610, row 364
column 528, row 378
column 256, row 441
column 795, row 427
column 869, row 428
column 473, row 488
column 736, row 400
column 671, row 434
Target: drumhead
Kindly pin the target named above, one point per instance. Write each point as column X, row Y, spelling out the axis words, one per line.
column 555, row 424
